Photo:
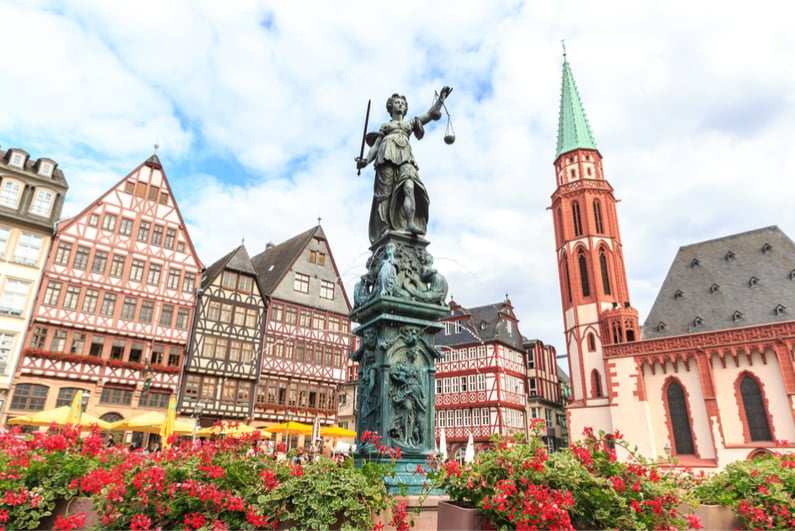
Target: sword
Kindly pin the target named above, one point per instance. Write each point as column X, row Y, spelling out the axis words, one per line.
column 364, row 135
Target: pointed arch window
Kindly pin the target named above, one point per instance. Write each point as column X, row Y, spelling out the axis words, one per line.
column 603, row 267
column 568, row 277
column 680, row 419
column 586, row 287
column 576, row 219
column 596, row 384
column 754, row 406
column 597, row 214
column 591, row 342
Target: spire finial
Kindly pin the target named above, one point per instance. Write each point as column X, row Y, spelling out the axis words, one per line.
column 318, row 220
column 563, row 43
column 157, row 146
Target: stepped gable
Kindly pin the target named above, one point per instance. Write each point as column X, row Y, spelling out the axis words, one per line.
column 742, row 280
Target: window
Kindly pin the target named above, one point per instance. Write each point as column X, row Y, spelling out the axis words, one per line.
column 248, row 352
column 591, row 342
column 28, row 249
column 597, row 214
column 251, row 317
column 192, row 383
column 71, row 297
column 117, row 349
column 29, row 397
column 153, row 277
column 58, row 341
column 290, row 315
column 97, row 345
column 596, row 384
column 189, row 282
column 306, row 319
column 157, row 355
column 244, row 284
column 116, row 396
column 154, row 399
column 157, row 235
column 174, row 355
column 100, row 260
column 680, row 420
column 12, row 302
column 143, row 231
column 9, row 193
column 108, row 305
column 63, row 253
column 208, row 347
column 93, row 220
column 128, row 308
column 154, row 191
column 182, row 318
column 173, row 279
column 65, row 396
column 109, row 222
column 171, row 235
column 229, row 280
column 326, row 290
column 586, row 289
column 226, row 313
column 81, row 257
column 6, row 343
column 575, row 214
column 126, row 226
column 234, row 350
column 147, row 309
column 318, row 321
column 17, row 159
column 39, row 337
column 240, row 316
column 117, row 266
column 755, row 413
column 136, row 352
column 166, row 315
column 52, row 293
column 481, row 382
column 316, row 257
column 603, row 267
column 301, row 283
column 78, row 344
column 137, row 270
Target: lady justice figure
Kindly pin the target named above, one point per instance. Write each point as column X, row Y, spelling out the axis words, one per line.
column 400, row 200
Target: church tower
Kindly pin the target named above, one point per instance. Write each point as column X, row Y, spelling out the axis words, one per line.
column 593, row 282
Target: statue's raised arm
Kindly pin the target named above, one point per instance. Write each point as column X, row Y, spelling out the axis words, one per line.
column 435, row 112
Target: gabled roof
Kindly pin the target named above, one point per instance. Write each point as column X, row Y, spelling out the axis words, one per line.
column 236, row 260
column 485, row 324
column 573, row 129
column 273, row 263
column 742, row 280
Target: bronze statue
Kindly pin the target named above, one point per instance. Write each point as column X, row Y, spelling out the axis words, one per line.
column 400, row 200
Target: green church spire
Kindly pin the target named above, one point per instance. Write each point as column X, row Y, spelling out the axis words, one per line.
column 573, row 129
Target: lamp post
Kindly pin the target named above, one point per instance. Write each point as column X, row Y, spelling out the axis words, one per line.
column 667, row 450
column 83, row 404
column 287, row 430
column 197, row 412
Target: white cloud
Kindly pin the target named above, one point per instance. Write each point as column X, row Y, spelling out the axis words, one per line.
column 691, row 106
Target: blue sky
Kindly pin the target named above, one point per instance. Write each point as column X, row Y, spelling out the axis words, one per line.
column 258, row 109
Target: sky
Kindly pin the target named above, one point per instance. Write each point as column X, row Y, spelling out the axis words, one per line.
column 258, row 110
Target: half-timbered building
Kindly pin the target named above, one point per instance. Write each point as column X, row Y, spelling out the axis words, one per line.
column 113, row 313
column 32, row 193
column 307, row 334
column 224, row 356
column 481, row 380
column 545, row 394
column 711, row 379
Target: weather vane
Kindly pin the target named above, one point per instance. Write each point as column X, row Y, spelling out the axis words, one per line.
column 563, row 43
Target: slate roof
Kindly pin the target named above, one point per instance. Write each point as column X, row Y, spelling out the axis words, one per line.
column 484, row 324
column 236, row 260
column 742, row 280
column 274, row 262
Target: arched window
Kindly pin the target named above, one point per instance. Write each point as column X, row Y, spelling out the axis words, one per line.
column 597, row 215
column 29, row 397
column 565, row 267
column 575, row 215
column 603, row 267
column 586, row 287
column 559, row 220
column 680, row 420
column 596, row 383
column 65, row 395
column 755, row 413
column 591, row 342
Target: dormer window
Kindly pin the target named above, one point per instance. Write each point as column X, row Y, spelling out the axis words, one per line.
column 17, row 159
column 661, row 326
column 737, row 316
column 753, row 282
column 679, row 294
column 780, row 309
column 45, row 168
column 767, row 248
column 695, row 263
column 698, row 321
column 730, row 256
column 714, row 288
column 792, row 275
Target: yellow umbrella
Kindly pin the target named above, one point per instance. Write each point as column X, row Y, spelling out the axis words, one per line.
column 76, row 409
column 228, row 429
column 167, row 429
column 59, row 416
column 291, row 427
column 335, row 432
column 149, row 422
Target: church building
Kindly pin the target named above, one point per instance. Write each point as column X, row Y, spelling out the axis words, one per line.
column 709, row 378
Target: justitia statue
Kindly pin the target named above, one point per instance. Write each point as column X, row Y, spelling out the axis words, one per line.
column 400, row 200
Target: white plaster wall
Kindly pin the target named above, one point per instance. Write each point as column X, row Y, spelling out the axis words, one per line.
column 596, row 417
column 631, row 416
